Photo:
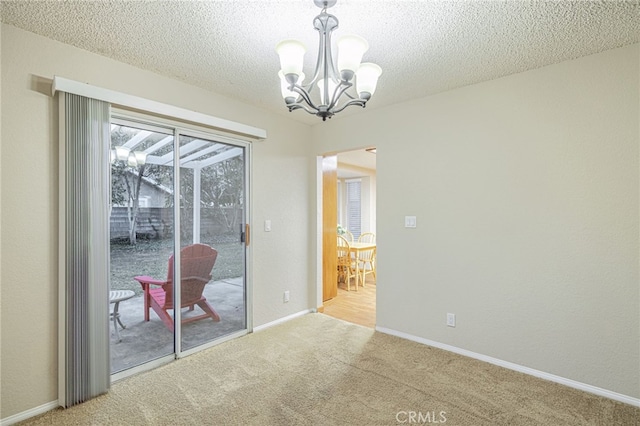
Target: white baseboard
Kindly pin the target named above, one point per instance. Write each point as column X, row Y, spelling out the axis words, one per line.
column 29, row 413
column 522, row 369
column 284, row 319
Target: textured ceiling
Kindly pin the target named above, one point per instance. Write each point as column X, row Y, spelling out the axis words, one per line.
column 423, row 47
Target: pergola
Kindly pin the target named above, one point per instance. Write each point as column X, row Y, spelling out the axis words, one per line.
column 197, row 154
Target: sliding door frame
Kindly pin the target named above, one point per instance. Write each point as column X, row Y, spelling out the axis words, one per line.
column 147, row 121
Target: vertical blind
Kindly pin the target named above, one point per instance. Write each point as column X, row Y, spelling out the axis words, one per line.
column 84, row 311
column 354, row 214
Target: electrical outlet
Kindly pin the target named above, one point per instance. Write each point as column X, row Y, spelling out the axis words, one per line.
column 267, row 225
column 451, row 320
column 286, row 296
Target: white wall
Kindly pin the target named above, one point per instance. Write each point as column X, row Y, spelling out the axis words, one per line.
column 29, row 192
column 526, row 194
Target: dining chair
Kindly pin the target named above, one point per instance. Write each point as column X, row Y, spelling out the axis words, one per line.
column 367, row 258
column 346, row 264
column 348, row 236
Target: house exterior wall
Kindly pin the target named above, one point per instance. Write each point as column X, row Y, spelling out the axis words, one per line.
column 526, row 191
column 29, row 196
column 151, row 196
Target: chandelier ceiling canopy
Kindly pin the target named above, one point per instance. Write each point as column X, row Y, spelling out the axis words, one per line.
column 329, row 90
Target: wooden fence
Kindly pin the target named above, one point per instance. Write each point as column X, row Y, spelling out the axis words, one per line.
column 157, row 222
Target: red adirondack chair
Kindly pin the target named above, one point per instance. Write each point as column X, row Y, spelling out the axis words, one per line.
column 196, row 263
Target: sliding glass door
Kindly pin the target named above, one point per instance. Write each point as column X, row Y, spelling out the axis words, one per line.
column 212, row 207
column 141, row 239
column 177, row 230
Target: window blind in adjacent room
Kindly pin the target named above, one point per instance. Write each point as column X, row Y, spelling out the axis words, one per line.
column 354, row 210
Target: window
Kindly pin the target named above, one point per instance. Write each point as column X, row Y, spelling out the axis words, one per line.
column 353, row 207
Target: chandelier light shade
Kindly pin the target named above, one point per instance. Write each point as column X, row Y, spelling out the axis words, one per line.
column 331, row 89
column 291, row 54
column 131, row 158
column 350, row 51
column 122, row 153
column 367, row 79
column 141, row 157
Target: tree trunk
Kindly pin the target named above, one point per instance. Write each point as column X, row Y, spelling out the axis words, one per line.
column 133, row 205
column 133, row 226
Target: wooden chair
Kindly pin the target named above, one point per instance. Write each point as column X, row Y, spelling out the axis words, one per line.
column 196, row 263
column 348, row 236
column 346, row 264
column 367, row 258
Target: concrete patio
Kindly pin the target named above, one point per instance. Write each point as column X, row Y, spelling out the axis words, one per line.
column 142, row 341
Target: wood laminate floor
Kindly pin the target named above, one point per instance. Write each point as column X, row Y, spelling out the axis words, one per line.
column 358, row 307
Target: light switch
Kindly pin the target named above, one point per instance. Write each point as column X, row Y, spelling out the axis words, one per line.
column 267, row 226
column 409, row 221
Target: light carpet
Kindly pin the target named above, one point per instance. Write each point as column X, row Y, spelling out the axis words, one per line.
column 316, row 370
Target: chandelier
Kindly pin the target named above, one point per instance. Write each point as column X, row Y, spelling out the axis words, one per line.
column 332, row 80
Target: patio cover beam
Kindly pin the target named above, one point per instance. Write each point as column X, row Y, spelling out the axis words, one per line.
column 137, row 139
column 234, row 152
column 196, row 205
column 160, row 144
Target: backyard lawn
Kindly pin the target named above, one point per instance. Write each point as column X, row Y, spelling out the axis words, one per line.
column 151, row 257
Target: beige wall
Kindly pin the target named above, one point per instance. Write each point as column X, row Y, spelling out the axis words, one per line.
column 28, row 195
column 0, row 211
column 526, row 194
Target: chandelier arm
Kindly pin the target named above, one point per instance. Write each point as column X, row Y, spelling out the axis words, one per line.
column 319, row 61
column 305, row 95
column 359, row 102
column 350, row 96
column 324, row 23
column 300, row 106
column 330, row 68
column 325, row 72
column 337, row 93
column 316, row 72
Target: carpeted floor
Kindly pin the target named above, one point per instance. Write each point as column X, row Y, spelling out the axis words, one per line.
column 316, row 370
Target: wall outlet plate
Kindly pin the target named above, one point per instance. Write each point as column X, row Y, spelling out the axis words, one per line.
column 451, row 320
column 410, row 222
column 286, row 296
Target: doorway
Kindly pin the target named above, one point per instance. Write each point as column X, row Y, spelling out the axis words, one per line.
column 355, row 205
column 177, row 226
